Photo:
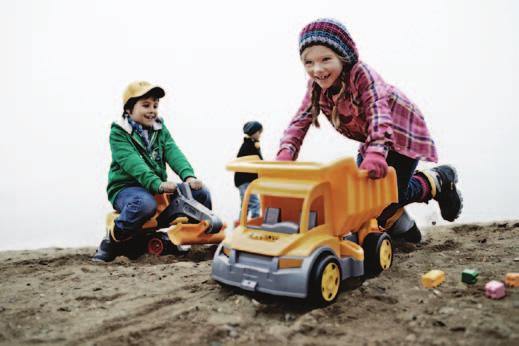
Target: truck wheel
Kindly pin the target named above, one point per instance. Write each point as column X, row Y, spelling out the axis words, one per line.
column 155, row 246
column 325, row 281
column 378, row 252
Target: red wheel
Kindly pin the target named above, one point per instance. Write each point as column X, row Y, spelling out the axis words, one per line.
column 155, row 246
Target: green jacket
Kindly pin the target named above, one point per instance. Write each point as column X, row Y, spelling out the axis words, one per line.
column 132, row 165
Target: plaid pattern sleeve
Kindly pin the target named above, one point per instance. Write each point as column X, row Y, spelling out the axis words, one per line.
column 296, row 131
column 373, row 97
column 392, row 120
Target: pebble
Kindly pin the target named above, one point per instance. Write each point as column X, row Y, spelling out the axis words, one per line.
column 410, row 338
column 516, row 259
column 447, row 310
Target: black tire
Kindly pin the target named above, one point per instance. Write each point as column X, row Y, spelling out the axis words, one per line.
column 378, row 253
column 324, row 293
column 135, row 247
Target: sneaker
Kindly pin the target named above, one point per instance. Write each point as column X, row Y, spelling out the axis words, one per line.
column 107, row 251
column 445, row 192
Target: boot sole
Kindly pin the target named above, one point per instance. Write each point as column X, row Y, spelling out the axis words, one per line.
column 98, row 260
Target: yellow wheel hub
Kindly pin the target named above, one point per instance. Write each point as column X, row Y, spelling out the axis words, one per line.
column 386, row 254
column 330, row 281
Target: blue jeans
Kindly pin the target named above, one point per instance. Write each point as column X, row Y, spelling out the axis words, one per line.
column 254, row 203
column 409, row 188
column 137, row 205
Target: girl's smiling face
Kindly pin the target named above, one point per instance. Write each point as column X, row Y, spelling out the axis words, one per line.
column 322, row 65
column 145, row 111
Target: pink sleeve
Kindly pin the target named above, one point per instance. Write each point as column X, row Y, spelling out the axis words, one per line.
column 373, row 96
column 296, row 131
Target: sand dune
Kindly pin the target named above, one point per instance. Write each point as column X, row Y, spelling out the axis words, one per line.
column 58, row 296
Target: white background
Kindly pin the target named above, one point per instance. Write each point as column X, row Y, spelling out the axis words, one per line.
column 65, row 64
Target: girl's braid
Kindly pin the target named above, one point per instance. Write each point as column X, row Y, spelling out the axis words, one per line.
column 335, row 116
column 316, row 109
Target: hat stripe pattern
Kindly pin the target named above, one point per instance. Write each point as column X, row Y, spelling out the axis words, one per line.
column 332, row 34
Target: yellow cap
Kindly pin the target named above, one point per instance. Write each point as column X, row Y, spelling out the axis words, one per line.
column 141, row 88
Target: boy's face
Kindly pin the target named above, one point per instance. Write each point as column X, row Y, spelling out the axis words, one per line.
column 145, row 111
column 322, row 65
column 256, row 135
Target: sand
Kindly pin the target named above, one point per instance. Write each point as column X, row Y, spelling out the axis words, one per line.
column 59, row 297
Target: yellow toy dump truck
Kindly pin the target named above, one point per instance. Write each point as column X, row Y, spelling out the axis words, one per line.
column 179, row 220
column 317, row 228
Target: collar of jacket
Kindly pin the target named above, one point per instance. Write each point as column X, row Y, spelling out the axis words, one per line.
column 246, row 136
column 125, row 124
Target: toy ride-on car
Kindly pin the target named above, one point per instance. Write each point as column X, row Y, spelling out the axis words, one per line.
column 179, row 220
column 317, row 228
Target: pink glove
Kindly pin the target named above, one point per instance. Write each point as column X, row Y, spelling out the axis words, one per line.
column 284, row 155
column 375, row 164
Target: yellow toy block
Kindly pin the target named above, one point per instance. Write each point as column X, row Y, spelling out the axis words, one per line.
column 433, row 278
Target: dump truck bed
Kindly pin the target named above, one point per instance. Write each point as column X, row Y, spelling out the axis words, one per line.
column 354, row 198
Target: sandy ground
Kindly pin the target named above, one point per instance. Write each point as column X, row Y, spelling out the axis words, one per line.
column 57, row 296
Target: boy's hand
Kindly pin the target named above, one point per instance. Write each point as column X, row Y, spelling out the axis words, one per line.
column 168, row 187
column 194, row 183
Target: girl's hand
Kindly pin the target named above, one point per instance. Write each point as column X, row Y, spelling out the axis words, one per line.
column 194, row 183
column 284, row 155
column 168, row 187
column 375, row 164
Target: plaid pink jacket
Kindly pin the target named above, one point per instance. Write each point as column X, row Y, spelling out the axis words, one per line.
column 372, row 112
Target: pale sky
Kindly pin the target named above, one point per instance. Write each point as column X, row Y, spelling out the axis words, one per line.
column 65, row 64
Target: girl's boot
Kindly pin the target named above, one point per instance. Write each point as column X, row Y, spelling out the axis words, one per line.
column 402, row 226
column 442, row 181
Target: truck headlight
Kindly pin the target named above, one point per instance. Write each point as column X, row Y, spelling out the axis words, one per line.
column 285, row 263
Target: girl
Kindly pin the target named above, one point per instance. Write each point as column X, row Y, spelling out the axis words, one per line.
column 361, row 106
column 141, row 146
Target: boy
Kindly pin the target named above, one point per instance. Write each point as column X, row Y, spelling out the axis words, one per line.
column 141, row 145
column 250, row 146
